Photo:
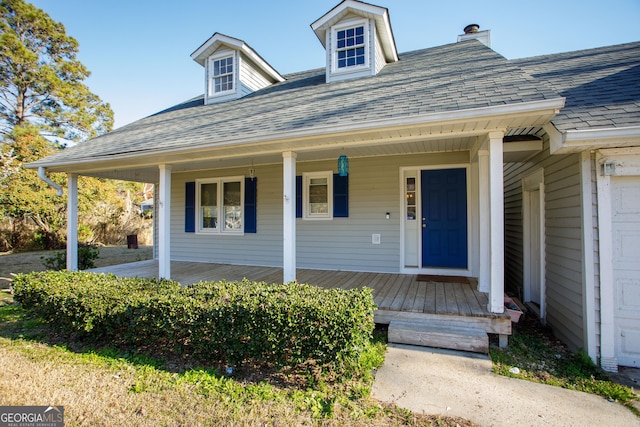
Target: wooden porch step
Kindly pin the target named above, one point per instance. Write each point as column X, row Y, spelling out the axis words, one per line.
column 438, row 334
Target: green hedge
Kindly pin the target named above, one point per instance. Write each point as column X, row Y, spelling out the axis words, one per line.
column 229, row 322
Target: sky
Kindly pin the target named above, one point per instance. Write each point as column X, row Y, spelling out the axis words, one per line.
column 138, row 51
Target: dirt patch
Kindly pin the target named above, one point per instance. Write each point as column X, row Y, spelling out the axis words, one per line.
column 26, row 262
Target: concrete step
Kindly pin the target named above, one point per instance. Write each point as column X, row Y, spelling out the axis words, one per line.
column 437, row 334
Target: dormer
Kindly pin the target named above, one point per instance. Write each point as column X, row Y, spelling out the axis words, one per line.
column 232, row 69
column 357, row 38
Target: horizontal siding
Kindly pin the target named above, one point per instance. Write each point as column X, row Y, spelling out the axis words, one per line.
column 251, row 79
column 338, row 244
column 563, row 236
column 513, row 234
column 379, row 56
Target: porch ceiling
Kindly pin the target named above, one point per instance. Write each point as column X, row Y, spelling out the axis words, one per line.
column 440, row 133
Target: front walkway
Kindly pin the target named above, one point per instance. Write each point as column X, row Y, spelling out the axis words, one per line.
column 445, row 382
column 406, row 296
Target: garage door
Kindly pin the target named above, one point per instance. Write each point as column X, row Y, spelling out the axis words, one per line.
column 626, row 267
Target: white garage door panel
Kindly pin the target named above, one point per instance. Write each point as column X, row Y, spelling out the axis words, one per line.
column 629, row 296
column 629, row 344
column 626, row 267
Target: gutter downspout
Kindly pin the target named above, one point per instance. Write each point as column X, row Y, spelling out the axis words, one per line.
column 43, row 176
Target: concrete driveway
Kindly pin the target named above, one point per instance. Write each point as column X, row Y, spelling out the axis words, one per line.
column 434, row 381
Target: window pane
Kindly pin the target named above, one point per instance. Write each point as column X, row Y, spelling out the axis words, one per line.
column 232, row 206
column 232, row 193
column 318, row 196
column 208, row 205
column 350, row 32
column 359, row 31
column 223, row 66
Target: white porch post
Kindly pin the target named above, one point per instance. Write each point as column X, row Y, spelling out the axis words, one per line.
column 496, row 212
column 484, row 233
column 289, row 216
column 164, row 223
column 72, row 222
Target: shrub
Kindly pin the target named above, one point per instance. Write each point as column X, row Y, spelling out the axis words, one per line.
column 87, row 254
column 225, row 322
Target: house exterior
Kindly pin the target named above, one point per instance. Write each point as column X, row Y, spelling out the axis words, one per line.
column 422, row 162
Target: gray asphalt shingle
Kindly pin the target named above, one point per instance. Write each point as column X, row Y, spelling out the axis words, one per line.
column 601, row 86
column 452, row 77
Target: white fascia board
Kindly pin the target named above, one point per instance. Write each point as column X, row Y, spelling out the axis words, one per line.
column 207, row 48
column 215, row 41
column 383, row 25
column 575, row 141
column 261, row 63
column 321, row 25
column 533, row 108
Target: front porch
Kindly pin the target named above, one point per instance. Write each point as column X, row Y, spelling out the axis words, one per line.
column 455, row 302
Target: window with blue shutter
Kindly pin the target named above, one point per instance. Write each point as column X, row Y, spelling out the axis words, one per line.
column 340, row 196
column 250, row 206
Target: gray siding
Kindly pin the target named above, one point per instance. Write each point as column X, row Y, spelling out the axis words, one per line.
column 563, row 240
column 251, row 79
column 380, row 62
column 338, row 244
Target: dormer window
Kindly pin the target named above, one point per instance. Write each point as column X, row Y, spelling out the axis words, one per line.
column 358, row 40
column 232, row 69
column 222, row 74
column 350, row 47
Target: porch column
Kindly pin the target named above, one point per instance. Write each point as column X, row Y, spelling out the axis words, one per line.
column 496, row 212
column 484, row 232
column 72, row 222
column 289, row 216
column 164, row 223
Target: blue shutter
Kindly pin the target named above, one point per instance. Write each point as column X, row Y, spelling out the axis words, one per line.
column 340, row 196
column 190, row 207
column 250, row 204
column 299, row 196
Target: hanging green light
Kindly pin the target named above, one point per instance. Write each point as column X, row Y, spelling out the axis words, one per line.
column 343, row 165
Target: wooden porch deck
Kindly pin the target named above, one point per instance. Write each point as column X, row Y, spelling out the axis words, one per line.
column 398, row 296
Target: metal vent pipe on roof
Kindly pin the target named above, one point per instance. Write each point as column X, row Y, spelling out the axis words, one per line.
column 471, row 28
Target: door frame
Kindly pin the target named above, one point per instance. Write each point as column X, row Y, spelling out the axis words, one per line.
column 465, row 272
column 531, row 183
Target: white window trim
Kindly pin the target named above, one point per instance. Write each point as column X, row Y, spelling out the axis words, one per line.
column 220, row 181
column 306, row 180
column 216, row 57
column 334, row 49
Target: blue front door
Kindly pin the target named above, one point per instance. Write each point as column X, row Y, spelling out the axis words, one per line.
column 444, row 218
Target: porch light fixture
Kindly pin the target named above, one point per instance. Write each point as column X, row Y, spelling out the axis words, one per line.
column 343, row 165
column 252, row 172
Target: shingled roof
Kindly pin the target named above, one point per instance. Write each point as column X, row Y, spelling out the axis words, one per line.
column 601, row 86
column 447, row 78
